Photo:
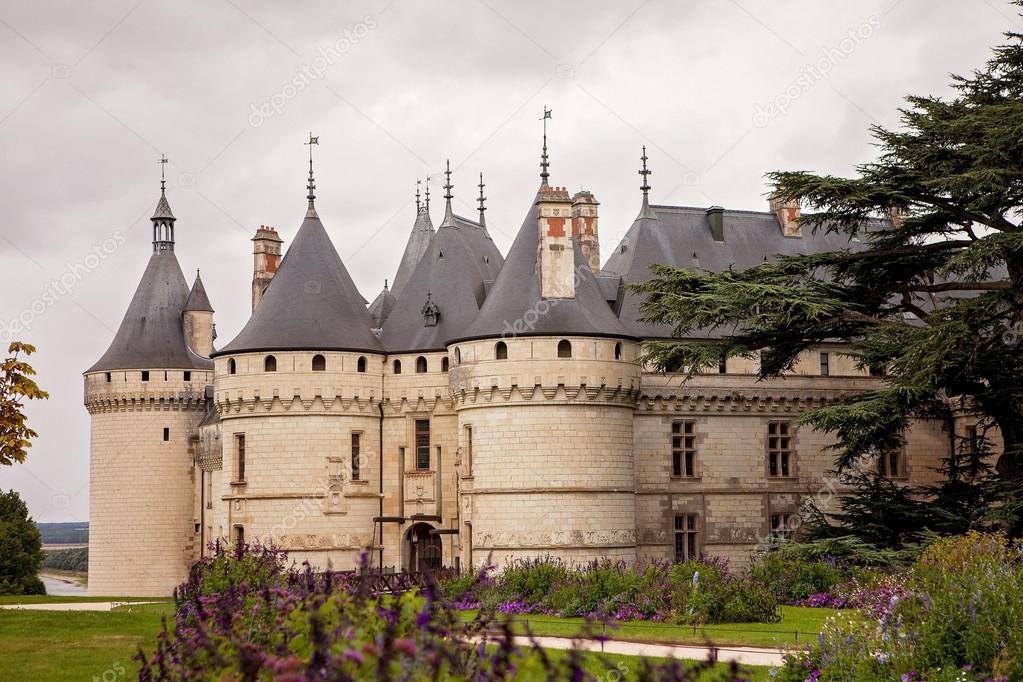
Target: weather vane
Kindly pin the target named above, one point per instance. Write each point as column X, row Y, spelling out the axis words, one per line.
column 544, row 163
column 163, row 171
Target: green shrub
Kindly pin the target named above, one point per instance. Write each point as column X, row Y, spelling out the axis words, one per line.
column 74, row 559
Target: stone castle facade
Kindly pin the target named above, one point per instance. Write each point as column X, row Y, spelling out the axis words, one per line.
column 484, row 407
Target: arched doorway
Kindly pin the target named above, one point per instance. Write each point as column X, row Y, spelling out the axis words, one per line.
column 423, row 551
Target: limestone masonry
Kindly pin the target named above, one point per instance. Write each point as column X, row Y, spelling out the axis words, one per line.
column 484, row 408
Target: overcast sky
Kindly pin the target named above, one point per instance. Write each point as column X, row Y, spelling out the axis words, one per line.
column 720, row 92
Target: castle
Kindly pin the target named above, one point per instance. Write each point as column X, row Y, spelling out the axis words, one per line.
column 482, row 407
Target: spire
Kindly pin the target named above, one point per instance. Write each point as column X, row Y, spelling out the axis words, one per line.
column 482, row 200
column 163, row 218
column 645, row 211
column 449, row 215
column 197, row 297
column 311, row 186
column 544, row 163
column 426, row 206
column 419, row 206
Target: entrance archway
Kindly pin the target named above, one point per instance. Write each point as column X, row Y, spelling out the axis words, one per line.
column 423, row 551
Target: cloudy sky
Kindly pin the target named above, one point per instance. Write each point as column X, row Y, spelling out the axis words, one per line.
column 720, row 92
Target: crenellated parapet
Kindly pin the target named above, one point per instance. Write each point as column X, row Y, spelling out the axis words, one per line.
column 146, row 390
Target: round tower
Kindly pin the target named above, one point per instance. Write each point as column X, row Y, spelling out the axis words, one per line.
column 298, row 393
column 545, row 380
column 145, row 399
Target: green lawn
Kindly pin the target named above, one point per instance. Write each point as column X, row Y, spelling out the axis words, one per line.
column 618, row 667
column 798, row 626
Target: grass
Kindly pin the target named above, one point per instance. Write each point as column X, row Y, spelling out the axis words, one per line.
column 617, row 667
column 57, row 599
column 798, row 626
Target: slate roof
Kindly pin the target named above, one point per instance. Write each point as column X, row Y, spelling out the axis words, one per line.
column 310, row 304
column 151, row 334
column 514, row 307
column 163, row 209
column 680, row 236
column 453, row 271
column 417, row 244
column 197, row 298
column 381, row 307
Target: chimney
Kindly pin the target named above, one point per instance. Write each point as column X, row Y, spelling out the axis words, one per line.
column 584, row 227
column 716, row 219
column 787, row 213
column 266, row 256
column 555, row 257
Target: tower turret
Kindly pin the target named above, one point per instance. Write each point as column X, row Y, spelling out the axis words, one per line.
column 197, row 318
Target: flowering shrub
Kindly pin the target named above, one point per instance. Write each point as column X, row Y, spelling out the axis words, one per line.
column 956, row 614
column 248, row 615
column 697, row 592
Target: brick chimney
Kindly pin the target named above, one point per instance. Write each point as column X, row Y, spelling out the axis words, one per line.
column 555, row 257
column 266, row 256
column 787, row 213
column 584, row 227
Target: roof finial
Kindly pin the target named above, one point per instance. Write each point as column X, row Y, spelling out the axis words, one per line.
column 544, row 163
column 482, row 200
column 449, row 215
column 311, row 186
column 163, row 172
column 427, row 204
column 418, row 204
column 385, row 284
column 645, row 172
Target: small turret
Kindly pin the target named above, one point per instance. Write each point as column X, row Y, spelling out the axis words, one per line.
column 197, row 318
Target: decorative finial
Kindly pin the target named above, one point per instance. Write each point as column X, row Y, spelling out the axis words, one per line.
column 544, row 163
column 418, row 205
column 645, row 211
column 427, row 204
column 311, row 186
column 482, row 199
column 385, row 284
column 447, row 182
column 163, row 172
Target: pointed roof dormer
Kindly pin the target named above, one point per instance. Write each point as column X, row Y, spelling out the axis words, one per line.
column 312, row 302
column 197, row 298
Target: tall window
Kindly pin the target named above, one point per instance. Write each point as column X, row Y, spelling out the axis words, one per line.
column 683, row 448
column 564, row 349
column 889, row 463
column 239, row 445
column 618, row 351
column 356, row 455
column 209, row 489
column 722, row 364
column 779, row 449
column 972, row 444
column 458, row 356
column 361, row 364
column 468, row 450
column 444, row 364
column 397, row 366
column 270, row 364
column 319, row 363
column 166, row 434
column 420, row 365
column 825, row 364
column 422, row 443
column 239, row 535
column 501, row 350
column 232, row 366
column 188, row 376
column 685, row 537
column 109, row 378
column 782, row 526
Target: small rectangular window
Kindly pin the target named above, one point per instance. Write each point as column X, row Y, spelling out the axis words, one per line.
column 422, row 443
column 108, row 377
column 779, row 449
column 683, row 449
column 782, row 526
column 145, row 375
column 188, row 376
column 889, row 464
column 825, row 364
column 685, row 538
column 166, row 434
column 723, row 365
column 239, row 440
column 356, row 455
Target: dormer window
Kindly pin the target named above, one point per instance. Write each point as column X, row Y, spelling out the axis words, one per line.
column 431, row 313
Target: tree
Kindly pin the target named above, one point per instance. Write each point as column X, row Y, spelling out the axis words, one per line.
column 933, row 297
column 16, row 386
column 21, row 552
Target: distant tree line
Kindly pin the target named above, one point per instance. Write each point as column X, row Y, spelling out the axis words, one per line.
column 70, row 533
column 74, row 559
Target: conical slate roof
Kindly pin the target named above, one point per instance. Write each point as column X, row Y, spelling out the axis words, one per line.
column 311, row 303
column 163, row 209
column 452, row 274
column 197, row 298
column 151, row 335
column 418, row 243
column 514, row 306
column 381, row 307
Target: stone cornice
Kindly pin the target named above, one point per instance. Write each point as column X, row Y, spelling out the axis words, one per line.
column 145, row 402
column 559, row 394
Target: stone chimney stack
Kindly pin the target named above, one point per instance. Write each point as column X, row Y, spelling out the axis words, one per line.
column 584, row 227
column 787, row 213
column 266, row 256
column 555, row 257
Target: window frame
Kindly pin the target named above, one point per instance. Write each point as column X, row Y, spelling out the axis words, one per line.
column 683, row 448
column 421, row 446
column 239, row 457
column 322, row 363
column 564, row 349
column 270, row 363
column 825, row 358
column 355, row 443
column 685, row 533
column 780, row 450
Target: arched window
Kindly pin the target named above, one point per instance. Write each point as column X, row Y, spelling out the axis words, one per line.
column 501, row 350
column 397, row 366
column 319, row 363
column 444, row 364
column 618, row 351
column 232, row 366
column 420, row 365
column 362, row 364
column 270, row 364
column 458, row 356
column 564, row 349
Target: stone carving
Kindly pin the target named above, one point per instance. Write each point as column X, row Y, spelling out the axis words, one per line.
column 554, row 539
